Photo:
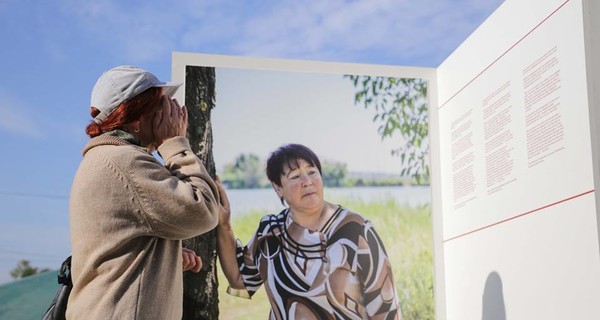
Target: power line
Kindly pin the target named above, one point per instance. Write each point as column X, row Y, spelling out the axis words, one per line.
column 34, row 195
column 35, row 254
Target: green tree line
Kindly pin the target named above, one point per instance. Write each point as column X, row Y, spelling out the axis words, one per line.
column 248, row 172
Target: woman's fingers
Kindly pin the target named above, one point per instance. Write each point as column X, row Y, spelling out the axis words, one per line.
column 222, row 193
column 159, row 115
column 198, row 265
column 185, row 117
column 170, row 120
column 178, row 118
column 186, row 260
column 191, row 261
column 224, row 209
column 174, row 110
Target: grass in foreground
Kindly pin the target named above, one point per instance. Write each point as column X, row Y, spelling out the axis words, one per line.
column 407, row 235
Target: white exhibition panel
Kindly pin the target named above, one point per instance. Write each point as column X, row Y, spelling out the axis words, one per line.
column 517, row 181
column 180, row 60
column 547, row 267
column 519, row 130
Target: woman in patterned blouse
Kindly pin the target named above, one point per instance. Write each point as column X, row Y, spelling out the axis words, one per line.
column 316, row 260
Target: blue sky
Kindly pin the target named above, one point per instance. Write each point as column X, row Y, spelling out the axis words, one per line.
column 53, row 51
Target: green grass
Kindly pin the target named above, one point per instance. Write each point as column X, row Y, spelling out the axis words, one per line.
column 407, row 235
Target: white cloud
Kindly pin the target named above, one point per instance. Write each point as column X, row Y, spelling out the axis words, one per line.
column 15, row 117
column 143, row 32
column 402, row 29
column 393, row 31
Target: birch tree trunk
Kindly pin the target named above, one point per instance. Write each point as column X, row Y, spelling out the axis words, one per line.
column 200, row 297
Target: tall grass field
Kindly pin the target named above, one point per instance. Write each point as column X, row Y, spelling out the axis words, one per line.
column 407, row 235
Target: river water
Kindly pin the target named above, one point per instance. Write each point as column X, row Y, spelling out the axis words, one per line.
column 245, row 200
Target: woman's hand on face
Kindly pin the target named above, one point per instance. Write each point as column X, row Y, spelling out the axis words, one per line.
column 171, row 120
column 191, row 261
column 224, row 207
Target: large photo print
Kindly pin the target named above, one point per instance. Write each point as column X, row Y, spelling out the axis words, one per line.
column 370, row 133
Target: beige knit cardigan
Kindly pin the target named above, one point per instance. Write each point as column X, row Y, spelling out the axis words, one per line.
column 128, row 215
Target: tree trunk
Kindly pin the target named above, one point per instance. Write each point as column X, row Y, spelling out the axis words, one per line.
column 200, row 296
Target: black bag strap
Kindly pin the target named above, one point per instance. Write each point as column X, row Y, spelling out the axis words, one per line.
column 64, row 274
column 58, row 306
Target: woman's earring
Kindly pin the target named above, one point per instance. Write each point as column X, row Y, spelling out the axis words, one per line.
column 281, row 198
column 136, row 130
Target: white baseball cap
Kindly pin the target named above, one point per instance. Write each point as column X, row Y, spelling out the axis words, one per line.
column 122, row 83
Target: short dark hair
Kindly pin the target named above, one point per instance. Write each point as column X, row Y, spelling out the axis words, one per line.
column 289, row 154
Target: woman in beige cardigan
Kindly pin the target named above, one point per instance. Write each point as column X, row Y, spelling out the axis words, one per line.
column 128, row 211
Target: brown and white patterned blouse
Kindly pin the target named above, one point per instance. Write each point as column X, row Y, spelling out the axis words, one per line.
column 339, row 272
